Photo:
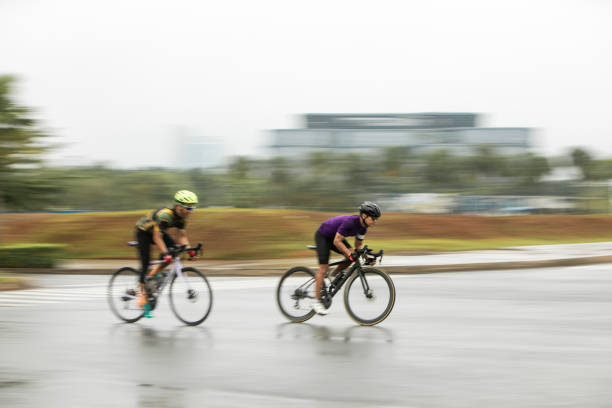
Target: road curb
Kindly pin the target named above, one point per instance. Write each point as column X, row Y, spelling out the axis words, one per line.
column 416, row 269
column 487, row 266
column 19, row 284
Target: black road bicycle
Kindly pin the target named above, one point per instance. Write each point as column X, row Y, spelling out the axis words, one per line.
column 189, row 292
column 369, row 294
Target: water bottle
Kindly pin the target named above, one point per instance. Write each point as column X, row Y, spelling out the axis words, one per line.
column 159, row 278
column 154, row 282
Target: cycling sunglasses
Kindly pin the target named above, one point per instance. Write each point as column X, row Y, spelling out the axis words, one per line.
column 188, row 207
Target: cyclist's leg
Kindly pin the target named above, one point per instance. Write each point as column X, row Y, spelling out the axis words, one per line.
column 145, row 240
column 319, row 280
column 169, row 243
column 144, row 250
column 342, row 265
column 323, row 247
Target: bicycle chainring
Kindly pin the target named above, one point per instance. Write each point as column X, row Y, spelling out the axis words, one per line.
column 326, row 300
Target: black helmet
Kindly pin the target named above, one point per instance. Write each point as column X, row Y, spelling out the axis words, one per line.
column 370, row 208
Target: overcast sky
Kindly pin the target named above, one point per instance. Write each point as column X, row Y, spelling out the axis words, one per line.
column 115, row 79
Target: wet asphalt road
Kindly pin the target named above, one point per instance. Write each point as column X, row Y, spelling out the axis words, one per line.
column 525, row 338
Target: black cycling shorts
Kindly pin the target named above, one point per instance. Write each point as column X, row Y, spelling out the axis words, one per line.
column 324, row 245
column 145, row 240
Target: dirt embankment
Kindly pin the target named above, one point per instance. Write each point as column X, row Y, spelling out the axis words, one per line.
column 260, row 234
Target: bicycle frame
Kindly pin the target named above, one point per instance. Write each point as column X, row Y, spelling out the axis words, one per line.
column 342, row 277
column 176, row 269
column 328, row 292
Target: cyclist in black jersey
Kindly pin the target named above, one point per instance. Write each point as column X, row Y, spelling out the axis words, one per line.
column 154, row 228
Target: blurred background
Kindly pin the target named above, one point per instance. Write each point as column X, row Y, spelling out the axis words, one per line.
column 436, row 107
column 475, row 124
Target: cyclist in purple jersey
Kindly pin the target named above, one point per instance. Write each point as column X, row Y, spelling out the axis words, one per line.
column 345, row 225
column 331, row 236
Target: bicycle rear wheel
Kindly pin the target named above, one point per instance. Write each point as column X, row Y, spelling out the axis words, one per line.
column 190, row 296
column 295, row 294
column 122, row 295
column 369, row 296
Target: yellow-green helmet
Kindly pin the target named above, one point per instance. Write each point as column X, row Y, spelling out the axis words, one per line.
column 185, row 197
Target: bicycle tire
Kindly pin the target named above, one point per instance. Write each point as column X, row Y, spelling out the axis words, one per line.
column 288, row 291
column 203, row 292
column 122, row 297
column 388, row 285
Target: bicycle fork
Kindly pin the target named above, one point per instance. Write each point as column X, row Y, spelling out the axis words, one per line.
column 366, row 287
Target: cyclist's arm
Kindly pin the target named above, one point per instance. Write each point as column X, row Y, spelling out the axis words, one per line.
column 159, row 240
column 181, row 238
column 340, row 245
column 358, row 243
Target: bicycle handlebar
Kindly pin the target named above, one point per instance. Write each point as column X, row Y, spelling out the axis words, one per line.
column 370, row 252
column 174, row 251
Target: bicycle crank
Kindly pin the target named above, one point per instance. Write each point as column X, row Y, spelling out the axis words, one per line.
column 326, row 300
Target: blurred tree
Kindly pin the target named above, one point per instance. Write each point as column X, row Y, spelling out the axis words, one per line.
column 582, row 159
column 280, row 183
column 20, row 150
column 208, row 187
column 356, row 173
column 441, row 168
column 604, row 169
column 359, row 182
column 240, row 167
column 485, row 162
column 320, row 162
column 280, row 171
column 243, row 190
column 393, row 159
column 528, row 169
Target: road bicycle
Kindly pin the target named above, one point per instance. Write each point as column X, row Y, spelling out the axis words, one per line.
column 369, row 294
column 189, row 292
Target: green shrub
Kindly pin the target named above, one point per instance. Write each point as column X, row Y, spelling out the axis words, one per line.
column 30, row 255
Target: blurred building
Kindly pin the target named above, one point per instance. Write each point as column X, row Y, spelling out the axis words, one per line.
column 421, row 132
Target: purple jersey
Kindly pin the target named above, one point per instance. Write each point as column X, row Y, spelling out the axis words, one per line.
column 345, row 225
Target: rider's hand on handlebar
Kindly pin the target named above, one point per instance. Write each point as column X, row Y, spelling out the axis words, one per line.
column 192, row 254
column 167, row 258
column 354, row 256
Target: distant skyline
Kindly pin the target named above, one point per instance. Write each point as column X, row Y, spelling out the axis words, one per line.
column 113, row 80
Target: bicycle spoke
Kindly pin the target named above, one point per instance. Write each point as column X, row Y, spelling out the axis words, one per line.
column 295, row 294
column 369, row 297
column 191, row 296
column 123, row 295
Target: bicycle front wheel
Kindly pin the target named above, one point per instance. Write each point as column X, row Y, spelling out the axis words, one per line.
column 295, row 294
column 190, row 296
column 369, row 296
column 122, row 295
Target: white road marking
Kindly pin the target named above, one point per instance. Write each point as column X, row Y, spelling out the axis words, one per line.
column 75, row 293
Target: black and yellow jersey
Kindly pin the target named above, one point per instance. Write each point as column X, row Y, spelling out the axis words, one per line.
column 160, row 220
